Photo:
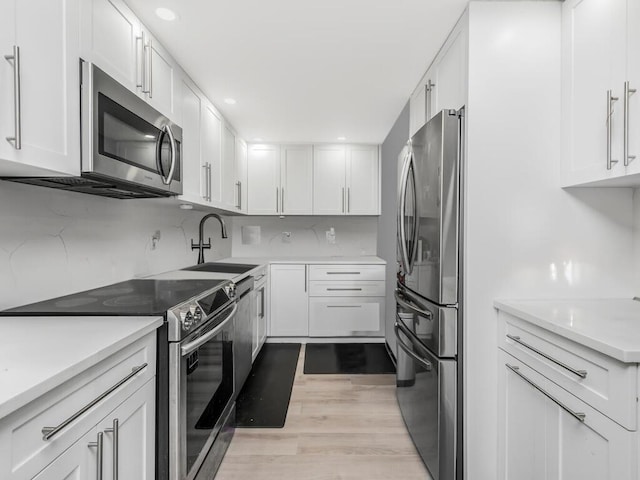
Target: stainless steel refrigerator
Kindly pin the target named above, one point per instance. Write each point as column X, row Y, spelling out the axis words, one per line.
column 428, row 297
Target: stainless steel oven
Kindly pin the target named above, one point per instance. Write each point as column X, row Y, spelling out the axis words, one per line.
column 125, row 140
column 201, row 392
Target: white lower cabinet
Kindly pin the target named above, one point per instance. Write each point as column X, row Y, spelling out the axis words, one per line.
column 545, row 432
column 327, row 300
column 113, row 399
column 260, row 315
column 289, row 301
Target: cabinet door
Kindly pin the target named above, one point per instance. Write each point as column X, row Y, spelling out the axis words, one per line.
column 345, row 316
column 263, row 317
column 418, row 106
column 521, row 426
column 296, row 179
column 78, row 462
column 329, row 165
column 194, row 171
column 289, row 301
column 450, row 74
column 134, row 424
column 594, row 57
column 49, row 82
column 229, row 187
column 264, row 180
column 241, row 175
column 363, row 180
column 112, row 39
column 211, row 151
column 161, row 70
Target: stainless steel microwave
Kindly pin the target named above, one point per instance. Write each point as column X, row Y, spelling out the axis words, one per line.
column 125, row 140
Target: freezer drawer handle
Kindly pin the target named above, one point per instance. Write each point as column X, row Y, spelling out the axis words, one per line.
column 577, row 415
column 404, row 304
column 579, row 373
column 50, row 432
column 427, row 365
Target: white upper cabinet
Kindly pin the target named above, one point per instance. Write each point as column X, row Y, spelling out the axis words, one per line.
column 194, row 172
column 601, row 115
column 443, row 85
column 296, row 180
column 346, row 180
column 211, row 151
column 329, row 166
column 363, row 180
column 39, row 99
column 263, row 179
column 160, row 78
column 229, row 182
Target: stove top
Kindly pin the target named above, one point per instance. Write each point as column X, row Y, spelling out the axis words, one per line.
column 133, row 297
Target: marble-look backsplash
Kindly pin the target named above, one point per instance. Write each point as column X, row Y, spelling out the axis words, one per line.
column 354, row 236
column 54, row 243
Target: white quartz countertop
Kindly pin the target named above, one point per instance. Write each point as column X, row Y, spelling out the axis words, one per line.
column 361, row 260
column 39, row 353
column 609, row 326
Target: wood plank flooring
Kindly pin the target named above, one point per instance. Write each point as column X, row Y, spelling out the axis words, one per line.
column 339, row 427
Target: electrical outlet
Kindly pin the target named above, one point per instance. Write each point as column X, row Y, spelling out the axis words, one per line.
column 155, row 238
column 331, row 236
column 286, row 237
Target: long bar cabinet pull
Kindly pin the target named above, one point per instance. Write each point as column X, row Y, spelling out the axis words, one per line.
column 115, row 431
column 577, row 415
column 98, row 445
column 579, row 373
column 627, row 94
column 17, row 98
column 49, row 432
column 610, row 101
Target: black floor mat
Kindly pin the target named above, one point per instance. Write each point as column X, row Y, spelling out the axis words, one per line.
column 349, row 358
column 264, row 400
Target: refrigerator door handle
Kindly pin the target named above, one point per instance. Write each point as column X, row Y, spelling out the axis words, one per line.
column 416, row 216
column 404, row 254
column 427, row 365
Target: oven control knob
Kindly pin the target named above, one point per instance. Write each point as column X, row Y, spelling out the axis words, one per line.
column 197, row 314
column 187, row 320
column 231, row 290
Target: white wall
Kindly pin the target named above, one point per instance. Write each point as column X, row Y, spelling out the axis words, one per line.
column 354, row 236
column 525, row 236
column 54, row 243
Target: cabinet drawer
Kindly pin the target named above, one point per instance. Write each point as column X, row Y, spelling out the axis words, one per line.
column 346, row 272
column 340, row 317
column 604, row 383
column 28, row 452
column 346, row 289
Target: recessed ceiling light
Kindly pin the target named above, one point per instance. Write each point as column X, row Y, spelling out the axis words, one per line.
column 230, row 101
column 342, row 138
column 166, row 14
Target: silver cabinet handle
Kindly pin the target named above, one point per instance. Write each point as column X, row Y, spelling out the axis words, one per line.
column 305, row 277
column 49, row 432
column 343, row 273
column 262, row 302
column 115, row 431
column 427, row 365
column 150, row 66
column 577, row 415
column 239, row 203
column 610, row 101
column 348, row 199
column 210, row 184
column 342, row 199
column 579, row 373
column 141, row 69
column 344, row 289
column 344, row 306
column 206, row 183
column 625, row 155
column 282, row 200
column 17, row 98
column 277, row 199
column 428, row 89
column 98, row 445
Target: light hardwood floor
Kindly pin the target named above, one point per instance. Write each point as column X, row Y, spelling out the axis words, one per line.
column 338, row 427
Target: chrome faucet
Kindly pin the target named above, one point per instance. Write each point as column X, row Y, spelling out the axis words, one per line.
column 201, row 246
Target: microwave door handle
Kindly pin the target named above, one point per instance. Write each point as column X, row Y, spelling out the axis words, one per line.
column 174, row 153
column 166, row 130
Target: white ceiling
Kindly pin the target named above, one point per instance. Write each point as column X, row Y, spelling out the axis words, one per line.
column 305, row 70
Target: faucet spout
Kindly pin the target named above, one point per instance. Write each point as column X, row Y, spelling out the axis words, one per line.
column 201, row 246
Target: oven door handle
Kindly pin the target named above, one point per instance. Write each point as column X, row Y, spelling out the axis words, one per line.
column 192, row 346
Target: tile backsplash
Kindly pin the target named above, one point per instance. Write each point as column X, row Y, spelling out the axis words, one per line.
column 304, row 236
column 54, row 243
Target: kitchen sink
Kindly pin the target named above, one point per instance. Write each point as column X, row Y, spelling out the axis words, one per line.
column 219, row 267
